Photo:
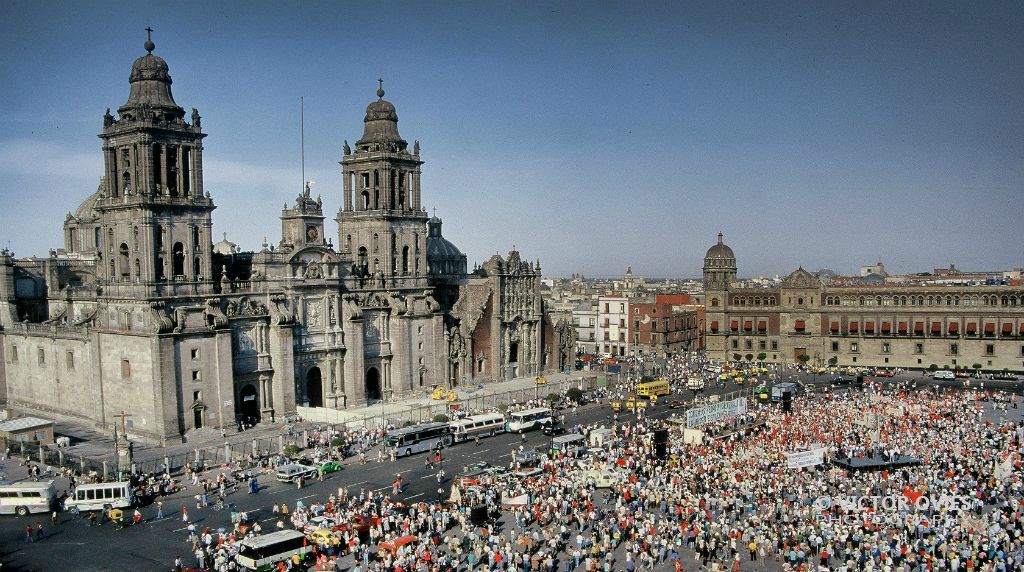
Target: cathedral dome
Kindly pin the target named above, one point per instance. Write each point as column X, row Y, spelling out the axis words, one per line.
column 720, row 250
column 87, row 210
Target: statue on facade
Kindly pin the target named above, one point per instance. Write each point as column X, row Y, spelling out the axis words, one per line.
column 348, row 150
column 196, row 120
column 108, row 119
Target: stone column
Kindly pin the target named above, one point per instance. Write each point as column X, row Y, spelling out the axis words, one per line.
column 163, row 167
column 416, row 190
column 346, row 183
column 197, row 170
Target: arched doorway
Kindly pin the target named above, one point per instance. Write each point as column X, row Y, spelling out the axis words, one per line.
column 249, row 404
column 314, row 388
column 373, row 384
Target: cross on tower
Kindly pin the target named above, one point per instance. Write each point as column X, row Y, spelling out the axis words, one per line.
column 380, row 83
column 124, row 417
column 149, row 32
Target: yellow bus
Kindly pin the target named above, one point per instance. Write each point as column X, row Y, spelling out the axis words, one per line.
column 652, row 388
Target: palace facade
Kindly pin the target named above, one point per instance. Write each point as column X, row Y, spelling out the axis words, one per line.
column 141, row 312
column 884, row 325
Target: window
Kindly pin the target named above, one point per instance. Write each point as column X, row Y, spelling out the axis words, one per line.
column 954, row 349
column 835, row 346
column 622, row 308
column 126, row 369
column 886, row 348
column 41, row 354
column 748, row 344
column 197, row 396
column 14, row 354
column 735, row 344
column 918, row 348
column 990, row 349
column 775, row 345
column 194, row 353
column 70, row 361
column 197, row 375
column 854, row 347
column 761, row 345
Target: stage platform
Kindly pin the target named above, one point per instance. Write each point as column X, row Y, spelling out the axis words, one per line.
column 876, row 463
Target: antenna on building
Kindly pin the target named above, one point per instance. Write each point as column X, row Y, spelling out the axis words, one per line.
column 302, row 139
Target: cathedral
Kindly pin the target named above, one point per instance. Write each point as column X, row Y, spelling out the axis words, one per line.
column 142, row 313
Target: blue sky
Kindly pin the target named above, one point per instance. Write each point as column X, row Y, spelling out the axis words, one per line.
column 591, row 135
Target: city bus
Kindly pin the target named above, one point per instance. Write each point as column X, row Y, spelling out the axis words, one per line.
column 483, row 425
column 528, row 419
column 653, row 388
column 262, row 552
column 418, row 438
column 27, row 498
column 101, row 495
column 566, row 444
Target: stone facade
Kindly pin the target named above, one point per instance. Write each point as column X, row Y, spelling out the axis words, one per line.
column 139, row 313
column 888, row 325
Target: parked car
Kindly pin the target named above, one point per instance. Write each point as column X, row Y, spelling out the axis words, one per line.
column 555, row 428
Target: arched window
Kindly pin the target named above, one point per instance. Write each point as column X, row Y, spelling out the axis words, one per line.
column 366, row 200
column 138, row 269
column 405, row 260
column 196, row 267
column 110, row 240
column 348, row 243
column 123, row 261
column 362, row 257
column 861, row 300
column 178, row 259
column 714, row 302
column 96, row 235
column 376, row 243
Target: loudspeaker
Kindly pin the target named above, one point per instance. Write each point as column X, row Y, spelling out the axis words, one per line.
column 787, row 399
column 478, row 515
column 661, row 443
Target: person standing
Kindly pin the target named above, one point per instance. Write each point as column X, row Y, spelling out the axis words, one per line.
column 39, row 531
column 159, row 510
column 28, row 534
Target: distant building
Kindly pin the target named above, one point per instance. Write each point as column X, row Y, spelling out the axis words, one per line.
column 876, row 268
column 903, row 323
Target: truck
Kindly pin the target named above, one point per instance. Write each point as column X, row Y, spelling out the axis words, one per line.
column 780, row 388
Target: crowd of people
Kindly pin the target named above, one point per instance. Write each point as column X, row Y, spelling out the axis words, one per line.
column 729, row 503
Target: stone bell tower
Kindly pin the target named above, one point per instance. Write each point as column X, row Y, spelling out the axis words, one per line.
column 381, row 226
column 153, row 223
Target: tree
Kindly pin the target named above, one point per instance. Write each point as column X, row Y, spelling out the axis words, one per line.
column 833, row 360
column 803, row 358
column 291, row 451
column 552, row 397
column 737, row 357
column 933, row 366
column 441, row 418
column 761, row 356
column 976, row 366
column 574, row 394
column 750, row 357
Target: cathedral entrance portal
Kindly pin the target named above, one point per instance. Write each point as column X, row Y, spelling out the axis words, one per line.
column 372, row 384
column 513, row 359
column 250, row 404
column 314, row 388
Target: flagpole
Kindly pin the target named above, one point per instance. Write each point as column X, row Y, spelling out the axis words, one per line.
column 302, row 139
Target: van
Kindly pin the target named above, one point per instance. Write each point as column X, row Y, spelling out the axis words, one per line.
column 27, row 498
column 291, row 473
column 101, row 495
column 943, row 374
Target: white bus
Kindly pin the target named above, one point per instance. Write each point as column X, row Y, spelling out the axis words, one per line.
column 566, row 444
column 101, row 495
column 528, row 419
column 483, row 425
column 262, row 552
column 27, row 498
column 418, row 438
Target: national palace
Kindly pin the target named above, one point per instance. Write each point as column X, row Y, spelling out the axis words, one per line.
column 886, row 325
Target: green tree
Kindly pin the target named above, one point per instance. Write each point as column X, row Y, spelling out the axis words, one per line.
column 441, row 418
column 803, row 358
column 574, row 394
column 833, row 360
column 976, row 366
column 737, row 357
column 291, row 451
column 761, row 356
column 750, row 357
